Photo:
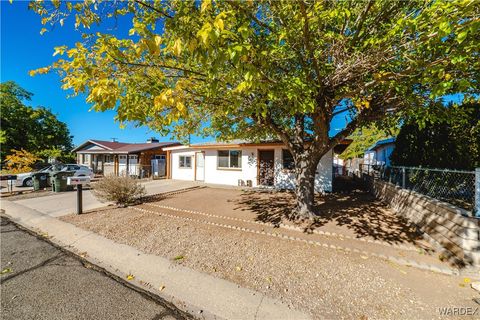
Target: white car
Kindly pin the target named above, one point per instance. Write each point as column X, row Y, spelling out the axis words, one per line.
column 25, row 179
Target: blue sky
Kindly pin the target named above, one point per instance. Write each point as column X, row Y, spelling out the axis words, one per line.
column 24, row 49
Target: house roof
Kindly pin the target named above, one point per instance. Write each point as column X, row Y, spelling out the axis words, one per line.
column 121, row 147
column 380, row 143
column 237, row 143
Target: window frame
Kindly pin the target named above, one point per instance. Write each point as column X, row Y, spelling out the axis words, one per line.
column 239, row 168
column 184, row 161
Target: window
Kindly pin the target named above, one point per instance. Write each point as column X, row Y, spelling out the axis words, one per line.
column 229, row 159
column 287, row 160
column 185, row 161
column 159, row 157
column 122, row 157
column 108, row 158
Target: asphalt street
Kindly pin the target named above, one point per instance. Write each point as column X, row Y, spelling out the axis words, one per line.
column 40, row 281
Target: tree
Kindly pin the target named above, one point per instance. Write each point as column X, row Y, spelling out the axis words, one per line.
column 453, row 141
column 20, row 161
column 25, row 127
column 268, row 68
column 363, row 138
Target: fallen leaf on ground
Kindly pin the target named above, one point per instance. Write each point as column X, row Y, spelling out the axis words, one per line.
column 179, row 258
column 467, row 280
column 6, row 270
column 83, row 254
column 364, row 257
column 238, row 268
column 161, row 288
column 130, row 277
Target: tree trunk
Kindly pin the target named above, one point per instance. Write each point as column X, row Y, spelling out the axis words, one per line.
column 305, row 188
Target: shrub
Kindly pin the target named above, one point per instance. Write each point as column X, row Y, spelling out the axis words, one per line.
column 121, row 190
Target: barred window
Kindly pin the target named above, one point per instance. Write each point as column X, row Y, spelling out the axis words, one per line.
column 287, row 160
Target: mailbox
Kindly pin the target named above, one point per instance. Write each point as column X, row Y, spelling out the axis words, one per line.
column 75, row 181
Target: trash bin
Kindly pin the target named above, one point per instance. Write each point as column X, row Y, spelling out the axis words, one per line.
column 59, row 181
column 40, row 180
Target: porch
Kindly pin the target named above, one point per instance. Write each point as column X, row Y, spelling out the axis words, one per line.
column 139, row 165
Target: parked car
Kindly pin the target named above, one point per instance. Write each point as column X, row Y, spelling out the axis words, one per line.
column 25, row 179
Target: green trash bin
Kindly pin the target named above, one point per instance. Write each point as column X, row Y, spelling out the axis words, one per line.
column 40, row 180
column 59, row 181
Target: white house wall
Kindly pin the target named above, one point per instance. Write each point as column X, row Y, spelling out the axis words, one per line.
column 323, row 179
column 283, row 178
column 182, row 173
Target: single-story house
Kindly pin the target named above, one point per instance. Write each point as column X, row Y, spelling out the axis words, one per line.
column 242, row 163
column 120, row 158
column 379, row 153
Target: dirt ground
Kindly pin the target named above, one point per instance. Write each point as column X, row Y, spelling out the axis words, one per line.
column 326, row 282
column 356, row 214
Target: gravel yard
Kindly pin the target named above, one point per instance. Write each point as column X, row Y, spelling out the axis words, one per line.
column 326, row 282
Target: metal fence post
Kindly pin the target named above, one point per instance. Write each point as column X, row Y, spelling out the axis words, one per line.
column 476, row 208
column 403, row 177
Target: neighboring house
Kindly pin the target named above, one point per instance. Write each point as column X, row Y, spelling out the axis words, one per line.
column 339, row 164
column 119, row 158
column 379, row 153
column 242, row 163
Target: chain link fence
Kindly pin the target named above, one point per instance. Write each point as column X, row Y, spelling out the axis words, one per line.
column 453, row 186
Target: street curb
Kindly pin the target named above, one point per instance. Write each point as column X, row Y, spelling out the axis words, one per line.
column 199, row 294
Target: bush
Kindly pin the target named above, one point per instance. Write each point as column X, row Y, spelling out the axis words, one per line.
column 121, row 190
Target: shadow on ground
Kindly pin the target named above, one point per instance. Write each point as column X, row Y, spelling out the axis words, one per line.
column 356, row 210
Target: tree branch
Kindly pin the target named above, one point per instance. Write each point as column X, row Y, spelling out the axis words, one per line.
column 147, row 5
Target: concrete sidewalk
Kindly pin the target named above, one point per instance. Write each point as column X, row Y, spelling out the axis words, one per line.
column 66, row 202
column 196, row 293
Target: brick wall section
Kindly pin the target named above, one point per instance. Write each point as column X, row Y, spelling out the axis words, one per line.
column 444, row 223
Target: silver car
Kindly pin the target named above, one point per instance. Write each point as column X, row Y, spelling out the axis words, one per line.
column 25, row 179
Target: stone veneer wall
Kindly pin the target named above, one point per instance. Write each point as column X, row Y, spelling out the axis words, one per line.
column 446, row 224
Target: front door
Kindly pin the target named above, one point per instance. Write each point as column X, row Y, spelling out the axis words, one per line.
column 199, row 166
column 266, row 170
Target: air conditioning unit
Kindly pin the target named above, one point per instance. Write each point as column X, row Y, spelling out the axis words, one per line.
column 241, row 183
column 249, row 183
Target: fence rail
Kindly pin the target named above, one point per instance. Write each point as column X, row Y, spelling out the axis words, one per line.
column 456, row 187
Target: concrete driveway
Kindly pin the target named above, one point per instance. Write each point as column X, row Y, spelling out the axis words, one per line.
column 66, row 202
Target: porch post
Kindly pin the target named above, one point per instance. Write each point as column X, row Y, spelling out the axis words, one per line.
column 127, row 173
column 167, row 164
column 115, row 165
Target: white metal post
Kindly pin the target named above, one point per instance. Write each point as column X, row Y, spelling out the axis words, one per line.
column 476, row 208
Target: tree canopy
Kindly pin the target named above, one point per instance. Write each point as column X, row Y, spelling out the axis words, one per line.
column 453, row 141
column 363, row 138
column 26, row 128
column 268, row 69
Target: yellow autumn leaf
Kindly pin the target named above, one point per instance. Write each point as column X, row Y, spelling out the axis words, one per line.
column 158, row 40
column 467, row 280
column 219, row 24
column 206, row 4
column 130, row 277
column 177, row 47
column 180, row 106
